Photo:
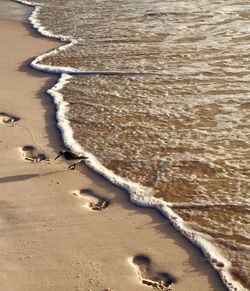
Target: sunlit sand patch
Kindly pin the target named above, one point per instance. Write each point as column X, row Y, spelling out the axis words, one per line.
column 31, row 154
column 91, row 200
column 148, row 276
column 6, row 118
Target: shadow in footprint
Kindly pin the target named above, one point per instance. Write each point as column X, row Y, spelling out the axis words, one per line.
column 157, row 280
column 6, row 118
column 32, row 154
column 92, row 200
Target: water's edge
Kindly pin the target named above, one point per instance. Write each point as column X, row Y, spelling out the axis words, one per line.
column 139, row 195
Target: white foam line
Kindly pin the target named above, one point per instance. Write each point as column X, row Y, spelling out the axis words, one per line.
column 36, row 63
column 139, row 195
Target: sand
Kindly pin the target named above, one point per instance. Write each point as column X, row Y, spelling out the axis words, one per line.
column 55, row 235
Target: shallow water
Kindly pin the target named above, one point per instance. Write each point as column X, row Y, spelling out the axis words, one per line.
column 176, row 117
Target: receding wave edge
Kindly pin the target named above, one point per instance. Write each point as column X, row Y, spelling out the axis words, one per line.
column 139, row 195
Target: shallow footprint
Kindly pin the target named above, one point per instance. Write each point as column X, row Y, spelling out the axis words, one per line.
column 32, row 154
column 157, row 280
column 92, row 200
column 6, row 118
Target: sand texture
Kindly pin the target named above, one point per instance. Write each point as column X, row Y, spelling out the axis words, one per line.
column 72, row 230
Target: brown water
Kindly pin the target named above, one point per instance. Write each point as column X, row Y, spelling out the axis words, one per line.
column 176, row 117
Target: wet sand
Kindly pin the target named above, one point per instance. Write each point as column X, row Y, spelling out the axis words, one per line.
column 55, row 233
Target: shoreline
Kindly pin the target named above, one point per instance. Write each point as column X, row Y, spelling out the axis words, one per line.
column 136, row 191
column 104, row 187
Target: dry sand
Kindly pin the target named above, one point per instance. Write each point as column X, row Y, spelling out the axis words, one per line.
column 50, row 238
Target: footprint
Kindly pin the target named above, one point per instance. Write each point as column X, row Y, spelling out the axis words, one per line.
column 157, row 280
column 5, row 118
column 92, row 200
column 32, row 154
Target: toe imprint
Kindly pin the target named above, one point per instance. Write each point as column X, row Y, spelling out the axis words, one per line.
column 92, row 200
column 148, row 276
column 31, row 154
column 6, row 118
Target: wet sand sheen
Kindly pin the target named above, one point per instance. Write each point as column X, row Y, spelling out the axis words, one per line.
column 48, row 240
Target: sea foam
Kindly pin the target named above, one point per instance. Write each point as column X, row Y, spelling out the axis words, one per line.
column 139, row 194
